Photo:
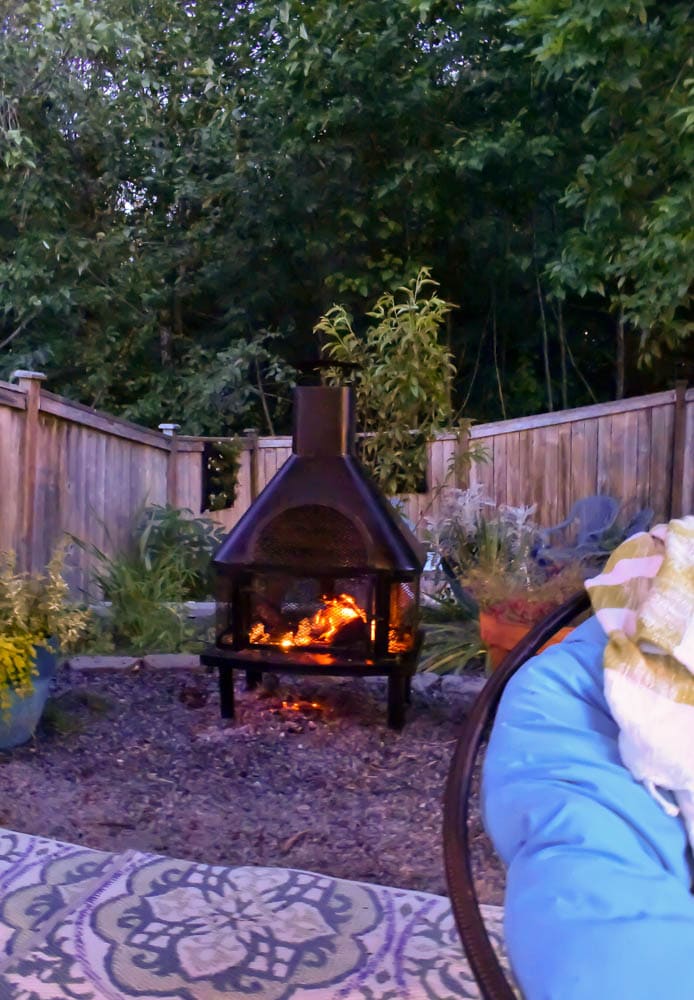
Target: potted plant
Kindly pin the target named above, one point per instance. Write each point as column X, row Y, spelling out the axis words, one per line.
column 506, row 619
column 36, row 619
column 487, row 558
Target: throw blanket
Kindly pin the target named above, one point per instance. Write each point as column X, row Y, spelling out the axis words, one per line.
column 644, row 601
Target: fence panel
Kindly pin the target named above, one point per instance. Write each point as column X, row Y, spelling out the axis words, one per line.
column 11, row 440
column 551, row 460
column 86, row 473
column 91, row 484
column 688, row 476
column 77, row 472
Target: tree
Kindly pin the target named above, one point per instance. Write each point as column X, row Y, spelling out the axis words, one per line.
column 632, row 62
column 118, row 153
column 186, row 187
column 411, row 134
column 402, row 379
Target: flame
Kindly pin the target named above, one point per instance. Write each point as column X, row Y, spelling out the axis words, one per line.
column 258, row 633
column 335, row 613
column 398, row 642
column 321, row 629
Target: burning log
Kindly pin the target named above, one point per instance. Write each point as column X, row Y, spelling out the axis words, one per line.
column 351, row 633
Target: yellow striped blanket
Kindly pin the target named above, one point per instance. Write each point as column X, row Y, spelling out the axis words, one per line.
column 644, row 600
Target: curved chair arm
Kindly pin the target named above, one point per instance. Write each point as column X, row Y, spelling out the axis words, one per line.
column 545, row 534
column 464, row 902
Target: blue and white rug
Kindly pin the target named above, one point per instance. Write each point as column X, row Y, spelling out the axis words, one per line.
column 88, row 925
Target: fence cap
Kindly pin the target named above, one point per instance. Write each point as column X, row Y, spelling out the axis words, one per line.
column 20, row 373
column 169, row 429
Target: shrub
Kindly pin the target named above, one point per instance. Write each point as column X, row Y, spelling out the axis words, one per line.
column 34, row 612
column 166, row 562
column 402, row 379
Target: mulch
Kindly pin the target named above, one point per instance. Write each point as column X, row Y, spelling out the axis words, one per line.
column 307, row 776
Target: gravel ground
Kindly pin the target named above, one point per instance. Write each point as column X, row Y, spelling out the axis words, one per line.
column 307, row 776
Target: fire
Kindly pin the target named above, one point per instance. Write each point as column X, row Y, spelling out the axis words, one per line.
column 335, row 613
column 398, row 642
column 258, row 633
column 322, row 628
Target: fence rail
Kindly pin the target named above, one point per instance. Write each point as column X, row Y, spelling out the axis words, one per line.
column 78, row 471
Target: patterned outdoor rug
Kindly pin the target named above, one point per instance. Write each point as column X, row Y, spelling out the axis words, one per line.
column 84, row 924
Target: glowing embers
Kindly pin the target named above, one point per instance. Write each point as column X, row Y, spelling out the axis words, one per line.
column 400, row 641
column 337, row 621
column 402, row 618
column 300, row 706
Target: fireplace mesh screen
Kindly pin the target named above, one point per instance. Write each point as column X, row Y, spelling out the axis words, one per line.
column 310, row 537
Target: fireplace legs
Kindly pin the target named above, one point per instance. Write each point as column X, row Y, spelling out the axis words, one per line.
column 398, row 695
column 399, row 691
column 226, row 690
column 253, row 679
column 226, row 687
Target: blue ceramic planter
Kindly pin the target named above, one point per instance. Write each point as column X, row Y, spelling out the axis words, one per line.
column 19, row 724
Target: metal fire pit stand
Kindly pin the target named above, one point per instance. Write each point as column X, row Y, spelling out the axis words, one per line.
column 255, row 663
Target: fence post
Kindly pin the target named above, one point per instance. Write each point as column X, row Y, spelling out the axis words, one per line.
column 30, row 384
column 251, row 435
column 679, row 432
column 169, row 431
column 461, row 459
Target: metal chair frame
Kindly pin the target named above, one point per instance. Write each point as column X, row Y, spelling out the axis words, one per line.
column 479, row 950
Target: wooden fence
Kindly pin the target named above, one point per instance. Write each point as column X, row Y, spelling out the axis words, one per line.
column 639, row 450
column 71, row 469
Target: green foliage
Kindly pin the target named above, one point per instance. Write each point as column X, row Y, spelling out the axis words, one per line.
column 38, row 604
column 166, row 562
column 174, row 537
column 633, row 184
column 145, row 615
column 17, row 666
column 219, row 391
column 489, row 551
column 34, row 612
column 178, row 179
column 120, row 155
column 223, row 464
column 450, row 647
column 402, row 381
column 484, row 544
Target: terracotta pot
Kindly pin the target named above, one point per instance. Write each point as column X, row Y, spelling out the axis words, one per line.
column 500, row 636
column 18, row 724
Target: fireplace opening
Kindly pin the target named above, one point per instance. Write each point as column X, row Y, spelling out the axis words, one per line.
column 320, row 575
column 314, row 613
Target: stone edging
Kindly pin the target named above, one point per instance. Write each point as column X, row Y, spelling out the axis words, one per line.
column 153, row 661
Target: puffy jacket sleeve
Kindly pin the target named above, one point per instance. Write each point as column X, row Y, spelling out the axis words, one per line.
column 598, row 902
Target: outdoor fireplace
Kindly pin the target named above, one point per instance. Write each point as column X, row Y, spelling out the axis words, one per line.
column 320, row 575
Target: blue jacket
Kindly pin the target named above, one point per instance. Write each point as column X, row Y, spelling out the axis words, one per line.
column 598, row 902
